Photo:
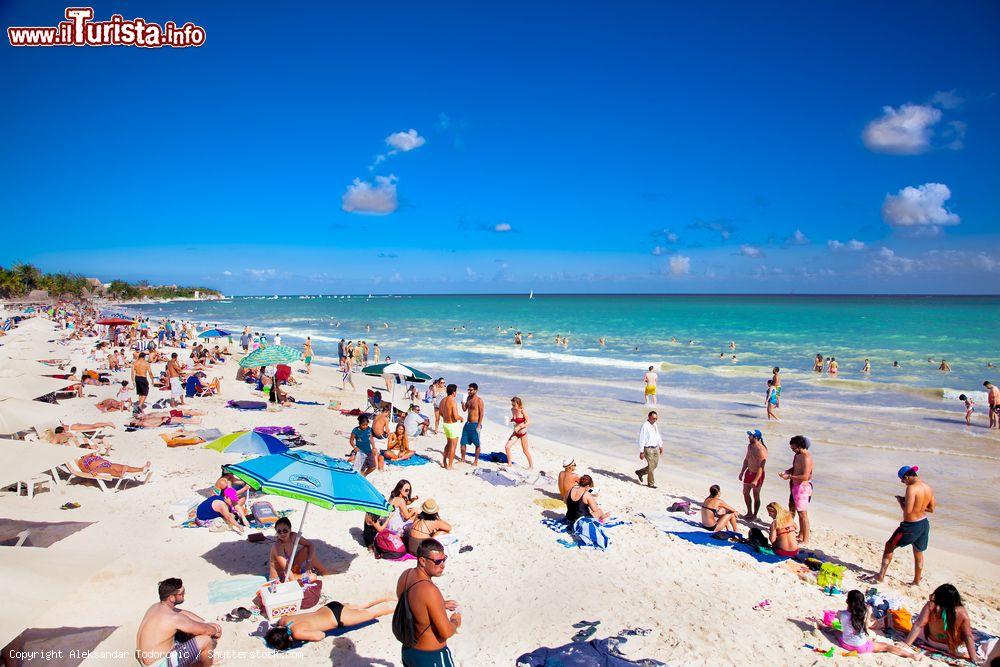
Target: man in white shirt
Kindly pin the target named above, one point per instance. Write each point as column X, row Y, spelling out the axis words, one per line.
column 415, row 423
column 650, row 448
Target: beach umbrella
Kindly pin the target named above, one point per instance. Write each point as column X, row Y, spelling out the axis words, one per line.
column 248, row 442
column 26, row 367
column 215, row 333
column 24, row 386
column 313, row 478
column 115, row 321
column 400, row 371
column 18, row 414
column 272, row 355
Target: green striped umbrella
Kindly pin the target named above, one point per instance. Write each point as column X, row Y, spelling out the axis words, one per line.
column 408, row 373
column 271, row 356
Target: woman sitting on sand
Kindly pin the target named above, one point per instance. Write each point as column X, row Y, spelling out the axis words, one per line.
column 305, row 555
column 399, row 445
column 580, row 502
column 312, row 626
column 427, row 526
column 784, row 537
column 854, row 635
column 944, row 625
column 716, row 515
column 402, row 514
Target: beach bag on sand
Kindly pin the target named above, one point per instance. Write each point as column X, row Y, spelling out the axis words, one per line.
column 901, row 620
column 757, row 538
column 389, row 546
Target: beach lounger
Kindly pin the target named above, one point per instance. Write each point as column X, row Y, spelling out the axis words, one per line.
column 104, row 480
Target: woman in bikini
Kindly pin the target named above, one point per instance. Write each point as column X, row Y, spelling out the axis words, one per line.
column 313, row 626
column 943, row 624
column 427, row 526
column 398, row 448
column 784, row 536
column 305, row 555
column 716, row 515
column 519, row 418
column 93, row 464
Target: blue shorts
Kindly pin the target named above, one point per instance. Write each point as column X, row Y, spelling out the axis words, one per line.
column 413, row 657
column 470, row 434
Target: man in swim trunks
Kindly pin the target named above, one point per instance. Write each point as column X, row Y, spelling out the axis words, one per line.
column 174, row 376
column 994, row 398
column 475, row 413
column 799, row 478
column 915, row 528
column 141, row 376
column 156, row 643
column 429, row 609
column 450, row 418
column 752, row 473
column 776, row 377
column 650, row 379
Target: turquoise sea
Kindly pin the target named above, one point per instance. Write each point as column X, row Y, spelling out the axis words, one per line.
column 787, row 331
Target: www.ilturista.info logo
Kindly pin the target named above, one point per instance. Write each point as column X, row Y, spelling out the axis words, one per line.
column 79, row 29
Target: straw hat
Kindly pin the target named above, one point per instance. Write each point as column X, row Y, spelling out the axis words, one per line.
column 430, row 506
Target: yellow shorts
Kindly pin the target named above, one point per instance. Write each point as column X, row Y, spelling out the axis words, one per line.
column 651, row 390
column 452, row 431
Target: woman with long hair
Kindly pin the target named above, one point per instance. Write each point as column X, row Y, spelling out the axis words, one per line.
column 519, row 418
column 943, row 623
column 398, row 446
column 854, row 635
column 784, row 537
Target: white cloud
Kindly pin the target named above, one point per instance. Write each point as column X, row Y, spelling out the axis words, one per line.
column 470, row 272
column 657, row 250
column 405, row 141
column 502, row 227
column 679, row 265
column 921, row 206
column 379, row 159
column 227, row 272
column 889, row 263
column 955, row 133
column 748, row 250
column 378, row 198
column 261, row 274
column 903, row 131
column 947, row 99
column 853, row 244
column 798, row 238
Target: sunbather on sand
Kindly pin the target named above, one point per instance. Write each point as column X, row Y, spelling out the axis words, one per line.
column 399, row 445
column 157, row 642
column 783, row 536
column 95, row 464
column 716, row 514
column 568, row 477
column 580, row 502
column 305, row 555
column 313, row 626
column 429, row 524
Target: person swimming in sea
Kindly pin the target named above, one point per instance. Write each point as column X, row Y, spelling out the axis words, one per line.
column 867, row 367
column 818, row 364
column 945, row 367
column 895, row 364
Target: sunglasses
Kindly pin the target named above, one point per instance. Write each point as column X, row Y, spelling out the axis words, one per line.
column 438, row 561
column 282, row 531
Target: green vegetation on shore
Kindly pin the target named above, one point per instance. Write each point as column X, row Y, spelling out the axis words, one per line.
column 21, row 279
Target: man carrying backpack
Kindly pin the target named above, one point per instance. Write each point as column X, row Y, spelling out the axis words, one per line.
column 421, row 608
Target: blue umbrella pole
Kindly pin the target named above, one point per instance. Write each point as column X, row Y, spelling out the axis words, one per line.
column 295, row 544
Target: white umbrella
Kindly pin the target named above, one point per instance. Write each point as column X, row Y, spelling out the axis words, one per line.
column 10, row 367
column 399, row 371
column 18, row 414
column 20, row 385
column 21, row 460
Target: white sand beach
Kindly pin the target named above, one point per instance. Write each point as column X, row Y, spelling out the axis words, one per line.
column 519, row 588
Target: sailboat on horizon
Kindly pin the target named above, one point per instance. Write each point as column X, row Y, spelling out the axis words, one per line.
column 531, row 294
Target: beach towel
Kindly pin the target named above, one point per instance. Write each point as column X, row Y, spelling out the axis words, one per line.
column 494, row 457
column 234, row 588
column 181, row 440
column 265, row 625
column 247, row 405
column 308, row 403
column 494, row 477
column 415, row 460
column 692, row 531
column 595, row 653
column 275, row 430
column 550, row 503
column 587, row 531
column 208, row 433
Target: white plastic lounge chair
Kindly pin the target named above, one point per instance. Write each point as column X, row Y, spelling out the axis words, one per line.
column 105, row 480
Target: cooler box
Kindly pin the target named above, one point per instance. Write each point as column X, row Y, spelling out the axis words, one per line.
column 180, row 510
column 286, row 599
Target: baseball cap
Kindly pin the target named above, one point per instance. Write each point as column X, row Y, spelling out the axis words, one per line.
column 905, row 470
column 757, row 434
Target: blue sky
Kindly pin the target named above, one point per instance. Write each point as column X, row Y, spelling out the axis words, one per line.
column 568, row 147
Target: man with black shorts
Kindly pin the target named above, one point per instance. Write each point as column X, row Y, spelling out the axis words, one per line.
column 141, row 375
column 915, row 529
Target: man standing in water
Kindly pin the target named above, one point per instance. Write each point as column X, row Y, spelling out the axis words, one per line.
column 915, row 528
column 650, row 448
column 799, row 478
column 777, row 386
column 422, row 608
column 475, row 413
column 450, row 419
column 650, row 379
column 752, row 473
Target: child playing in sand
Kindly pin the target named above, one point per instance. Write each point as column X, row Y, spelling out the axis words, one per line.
column 969, row 404
column 854, row 629
column 771, row 401
column 124, row 395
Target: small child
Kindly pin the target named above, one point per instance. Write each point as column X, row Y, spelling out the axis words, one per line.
column 969, row 404
column 854, row 629
column 124, row 395
column 771, row 401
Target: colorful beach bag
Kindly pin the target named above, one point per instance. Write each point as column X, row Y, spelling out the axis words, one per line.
column 389, row 546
